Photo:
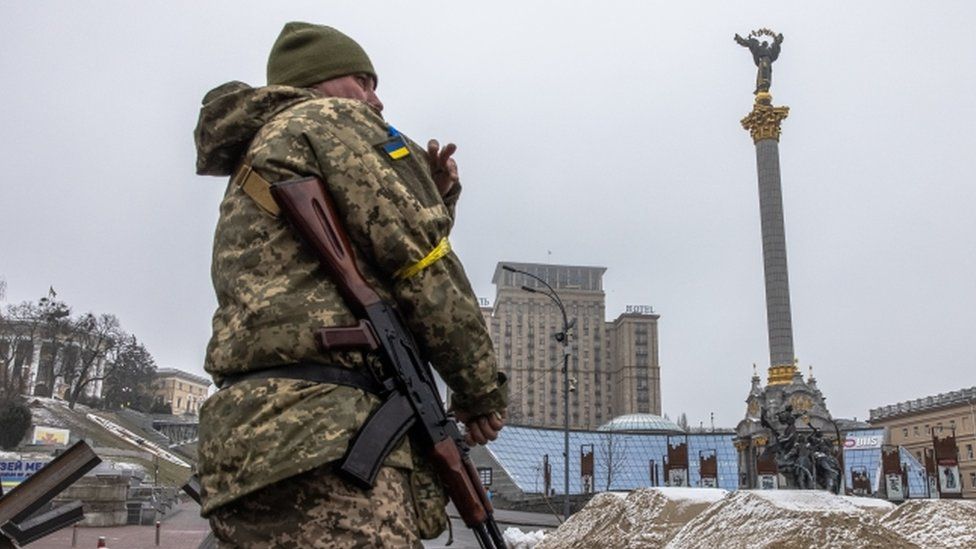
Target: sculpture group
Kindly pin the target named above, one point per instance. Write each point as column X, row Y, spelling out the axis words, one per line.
column 806, row 459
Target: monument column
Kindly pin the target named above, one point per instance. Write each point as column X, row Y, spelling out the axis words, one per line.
column 763, row 124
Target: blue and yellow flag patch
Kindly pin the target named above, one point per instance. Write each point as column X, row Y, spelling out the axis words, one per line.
column 396, row 146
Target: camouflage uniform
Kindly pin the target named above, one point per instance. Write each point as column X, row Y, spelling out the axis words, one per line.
column 272, row 293
column 333, row 514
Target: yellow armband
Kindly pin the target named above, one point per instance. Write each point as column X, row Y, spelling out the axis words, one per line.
column 443, row 248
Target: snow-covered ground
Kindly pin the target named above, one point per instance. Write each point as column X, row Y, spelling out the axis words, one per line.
column 517, row 539
column 690, row 518
column 935, row 522
column 129, row 436
column 785, row 518
column 643, row 518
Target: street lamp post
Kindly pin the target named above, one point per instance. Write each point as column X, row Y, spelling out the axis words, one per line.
column 565, row 339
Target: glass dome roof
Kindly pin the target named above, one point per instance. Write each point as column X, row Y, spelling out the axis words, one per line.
column 644, row 423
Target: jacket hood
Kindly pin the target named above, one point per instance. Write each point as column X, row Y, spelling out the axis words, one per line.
column 230, row 116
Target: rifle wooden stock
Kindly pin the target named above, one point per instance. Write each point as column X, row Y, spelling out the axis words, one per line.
column 458, row 483
column 314, row 217
column 307, row 205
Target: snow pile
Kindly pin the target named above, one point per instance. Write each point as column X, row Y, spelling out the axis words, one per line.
column 935, row 522
column 595, row 525
column 644, row 519
column 873, row 506
column 517, row 539
column 786, row 519
column 43, row 415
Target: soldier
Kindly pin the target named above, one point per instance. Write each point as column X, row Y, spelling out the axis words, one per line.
column 287, row 410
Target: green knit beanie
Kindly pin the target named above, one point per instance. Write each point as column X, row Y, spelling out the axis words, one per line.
column 306, row 54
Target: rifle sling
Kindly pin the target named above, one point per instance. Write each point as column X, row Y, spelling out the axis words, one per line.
column 374, row 441
column 314, row 372
column 377, row 437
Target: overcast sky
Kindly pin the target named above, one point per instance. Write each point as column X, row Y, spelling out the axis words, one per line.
column 605, row 132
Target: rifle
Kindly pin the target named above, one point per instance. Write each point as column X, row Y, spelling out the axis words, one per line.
column 413, row 403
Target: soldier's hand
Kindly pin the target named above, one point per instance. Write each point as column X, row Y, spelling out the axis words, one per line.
column 482, row 429
column 443, row 168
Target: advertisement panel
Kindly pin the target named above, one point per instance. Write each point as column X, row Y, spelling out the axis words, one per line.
column 586, row 468
column 13, row 472
column 893, row 484
column 860, row 481
column 677, row 477
column 708, row 467
column 768, row 482
column 947, row 463
column 50, row 436
column 949, row 478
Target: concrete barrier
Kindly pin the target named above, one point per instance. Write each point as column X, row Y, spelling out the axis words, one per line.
column 103, row 496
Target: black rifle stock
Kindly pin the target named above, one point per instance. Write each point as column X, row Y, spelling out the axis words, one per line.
column 307, row 205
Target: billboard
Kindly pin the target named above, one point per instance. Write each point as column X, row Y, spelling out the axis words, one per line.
column 949, row 478
column 893, row 484
column 50, row 436
column 677, row 477
column 947, row 464
column 860, row 481
column 13, row 472
column 708, row 465
column 586, row 468
column 768, row 482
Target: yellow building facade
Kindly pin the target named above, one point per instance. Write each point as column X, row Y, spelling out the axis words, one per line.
column 910, row 424
column 183, row 391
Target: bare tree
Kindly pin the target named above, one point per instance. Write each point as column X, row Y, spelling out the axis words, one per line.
column 72, row 353
column 87, row 342
column 613, row 453
column 23, row 330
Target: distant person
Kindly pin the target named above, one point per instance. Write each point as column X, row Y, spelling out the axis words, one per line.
column 287, row 410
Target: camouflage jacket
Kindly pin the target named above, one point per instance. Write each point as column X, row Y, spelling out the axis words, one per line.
column 272, row 294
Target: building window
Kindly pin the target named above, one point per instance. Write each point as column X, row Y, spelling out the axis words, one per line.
column 904, row 432
column 915, row 430
column 484, row 473
column 969, row 454
column 972, row 480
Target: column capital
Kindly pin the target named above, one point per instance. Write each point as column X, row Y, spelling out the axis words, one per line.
column 764, row 120
column 781, row 374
